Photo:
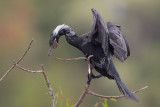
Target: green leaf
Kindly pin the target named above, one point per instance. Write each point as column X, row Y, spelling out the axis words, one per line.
column 105, row 103
column 56, row 98
column 113, row 99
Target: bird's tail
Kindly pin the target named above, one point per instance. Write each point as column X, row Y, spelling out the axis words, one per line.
column 125, row 90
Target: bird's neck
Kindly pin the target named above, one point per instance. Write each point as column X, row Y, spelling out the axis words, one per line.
column 73, row 39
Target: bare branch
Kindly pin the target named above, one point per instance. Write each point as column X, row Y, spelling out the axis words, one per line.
column 27, row 70
column 46, row 79
column 17, row 61
column 49, row 86
column 31, row 71
column 25, row 51
column 115, row 97
column 72, row 59
column 85, row 91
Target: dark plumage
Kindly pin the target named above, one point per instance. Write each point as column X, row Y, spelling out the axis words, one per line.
column 103, row 41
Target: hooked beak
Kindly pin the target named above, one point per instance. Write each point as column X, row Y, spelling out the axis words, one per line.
column 54, row 45
column 50, row 49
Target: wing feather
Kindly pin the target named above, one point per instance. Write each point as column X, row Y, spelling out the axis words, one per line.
column 118, row 42
column 108, row 35
column 99, row 31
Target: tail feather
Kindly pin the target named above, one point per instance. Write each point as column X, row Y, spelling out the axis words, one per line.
column 125, row 90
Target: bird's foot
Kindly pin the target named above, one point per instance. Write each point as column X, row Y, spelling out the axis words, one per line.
column 88, row 81
column 90, row 77
column 86, row 55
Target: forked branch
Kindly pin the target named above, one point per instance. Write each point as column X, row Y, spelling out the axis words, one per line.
column 51, row 93
column 115, row 97
column 16, row 63
column 86, row 89
column 20, row 59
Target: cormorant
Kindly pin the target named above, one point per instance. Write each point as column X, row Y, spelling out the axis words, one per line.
column 103, row 41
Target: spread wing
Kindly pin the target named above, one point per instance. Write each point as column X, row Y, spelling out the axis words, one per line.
column 120, row 48
column 99, row 32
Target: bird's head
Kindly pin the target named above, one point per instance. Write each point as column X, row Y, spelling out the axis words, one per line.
column 56, row 34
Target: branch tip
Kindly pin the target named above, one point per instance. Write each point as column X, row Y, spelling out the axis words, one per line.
column 16, row 62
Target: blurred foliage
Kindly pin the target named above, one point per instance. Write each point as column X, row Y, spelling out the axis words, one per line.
column 22, row 20
column 105, row 103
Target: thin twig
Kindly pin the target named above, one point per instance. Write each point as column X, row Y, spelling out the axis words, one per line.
column 71, row 59
column 89, row 71
column 98, row 103
column 46, row 79
column 10, row 69
column 85, row 91
column 31, row 71
column 49, row 86
column 27, row 70
column 115, row 97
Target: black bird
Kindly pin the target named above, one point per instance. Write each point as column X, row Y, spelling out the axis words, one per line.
column 103, row 41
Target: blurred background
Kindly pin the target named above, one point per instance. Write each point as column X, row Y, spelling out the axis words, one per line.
column 20, row 21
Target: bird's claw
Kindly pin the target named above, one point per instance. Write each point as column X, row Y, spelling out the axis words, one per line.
column 90, row 77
